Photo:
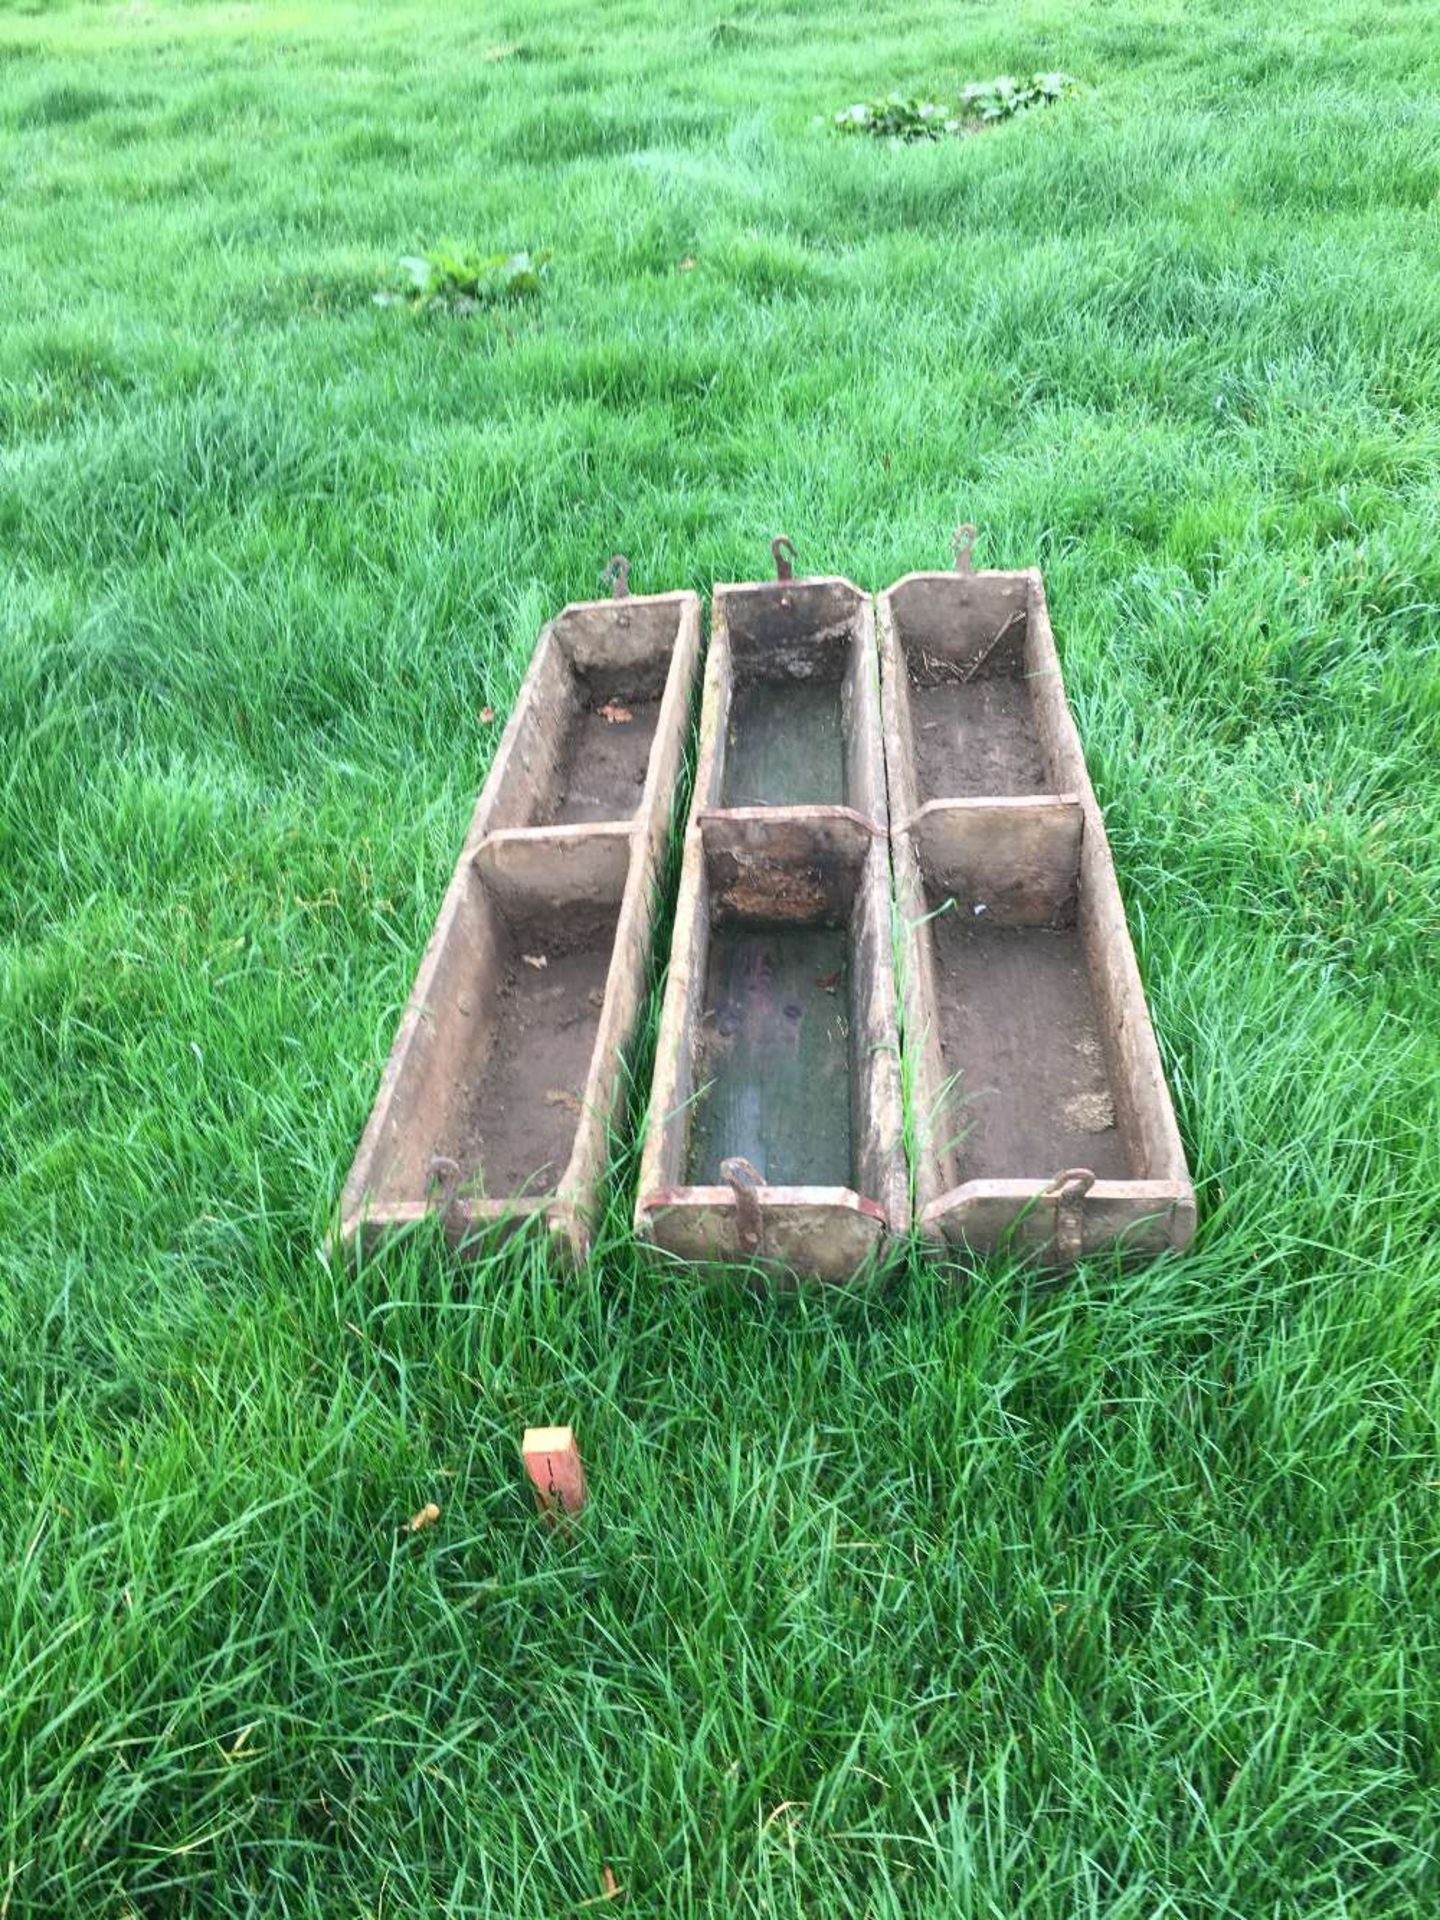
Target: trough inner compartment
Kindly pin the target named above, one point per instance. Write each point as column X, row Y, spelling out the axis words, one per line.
column 596, row 718
column 513, row 1124
column 773, row 1057
column 604, row 752
column 794, row 654
column 504, row 1092
column 974, row 731
column 782, row 1070
column 1028, row 1080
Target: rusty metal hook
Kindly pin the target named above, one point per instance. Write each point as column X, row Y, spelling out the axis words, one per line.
column 444, row 1181
column 745, row 1182
column 617, row 576
column 782, row 551
column 963, row 547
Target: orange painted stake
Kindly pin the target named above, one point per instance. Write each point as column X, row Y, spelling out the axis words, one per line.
column 556, row 1470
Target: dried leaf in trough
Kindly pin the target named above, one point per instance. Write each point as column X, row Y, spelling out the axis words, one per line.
column 426, row 1517
column 562, row 1097
column 536, row 960
column 615, row 714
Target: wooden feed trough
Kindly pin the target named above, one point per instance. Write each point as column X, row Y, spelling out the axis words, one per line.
column 503, row 1079
column 774, row 1135
column 1040, row 1113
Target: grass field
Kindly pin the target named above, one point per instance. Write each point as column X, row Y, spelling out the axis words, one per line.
column 977, row 1598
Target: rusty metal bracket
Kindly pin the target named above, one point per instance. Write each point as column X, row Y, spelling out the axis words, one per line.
column 745, row 1183
column 1068, row 1191
column 782, row 551
column 617, row 576
column 963, row 547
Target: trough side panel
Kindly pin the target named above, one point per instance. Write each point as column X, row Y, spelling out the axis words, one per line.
column 663, row 777
column 928, row 1092
column 447, row 1018
column 714, row 716
column 525, row 770
column 629, row 966
column 864, row 741
column 672, row 1087
column 897, row 722
column 879, row 1134
column 1143, row 1104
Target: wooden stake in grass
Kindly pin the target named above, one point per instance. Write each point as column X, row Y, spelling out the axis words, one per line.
column 556, row 1471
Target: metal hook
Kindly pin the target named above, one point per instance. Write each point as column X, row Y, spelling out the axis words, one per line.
column 745, row 1183
column 782, row 551
column 963, row 547
column 617, row 576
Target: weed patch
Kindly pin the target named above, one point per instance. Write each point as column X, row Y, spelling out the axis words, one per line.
column 905, row 119
column 461, row 281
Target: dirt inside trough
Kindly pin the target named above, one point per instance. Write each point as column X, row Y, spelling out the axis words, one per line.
column 602, row 768
column 514, row 1127
column 976, row 738
column 774, row 1058
column 784, row 746
column 1018, row 1025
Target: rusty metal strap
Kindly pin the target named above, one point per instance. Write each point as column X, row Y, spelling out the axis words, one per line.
column 1068, row 1191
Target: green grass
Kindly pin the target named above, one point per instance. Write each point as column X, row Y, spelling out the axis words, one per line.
column 977, row 1598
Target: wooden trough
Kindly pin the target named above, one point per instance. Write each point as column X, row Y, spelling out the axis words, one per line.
column 503, row 1079
column 774, row 1135
column 1040, row 1115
